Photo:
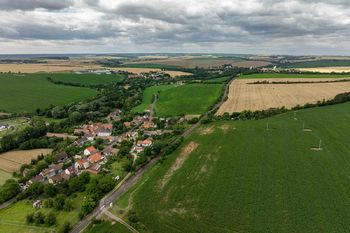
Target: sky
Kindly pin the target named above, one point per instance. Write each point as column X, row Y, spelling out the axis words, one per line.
column 296, row 27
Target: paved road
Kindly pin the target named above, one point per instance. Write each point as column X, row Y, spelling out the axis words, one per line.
column 117, row 193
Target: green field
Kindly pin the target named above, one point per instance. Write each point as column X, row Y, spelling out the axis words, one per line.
column 4, row 176
column 25, row 93
column 148, row 97
column 319, row 63
column 276, row 75
column 107, row 227
column 218, row 80
column 14, row 125
column 87, row 79
column 191, row 99
column 244, row 178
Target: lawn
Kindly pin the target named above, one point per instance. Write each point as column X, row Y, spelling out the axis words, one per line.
column 107, row 227
column 276, row 75
column 4, row 176
column 244, row 178
column 191, row 99
column 25, row 93
column 148, row 97
column 86, row 79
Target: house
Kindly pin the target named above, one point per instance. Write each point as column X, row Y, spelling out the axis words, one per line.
column 62, row 157
column 148, row 125
column 70, row 171
column 95, row 158
column 127, row 124
column 90, row 136
column 57, row 135
column 3, row 127
column 103, row 132
column 90, row 150
column 81, row 164
column 109, row 151
column 51, row 171
column 137, row 149
column 55, row 179
column 36, row 179
column 94, row 169
column 145, row 143
column 81, row 141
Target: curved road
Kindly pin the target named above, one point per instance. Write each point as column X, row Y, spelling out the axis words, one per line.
column 117, row 193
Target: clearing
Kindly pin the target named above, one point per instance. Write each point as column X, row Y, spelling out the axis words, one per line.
column 191, row 99
column 27, row 92
column 244, row 96
column 11, row 161
column 249, row 179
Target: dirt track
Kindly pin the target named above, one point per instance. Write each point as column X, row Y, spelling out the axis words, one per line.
column 243, row 96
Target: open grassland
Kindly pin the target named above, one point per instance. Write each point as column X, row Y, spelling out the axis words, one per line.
column 87, row 79
column 218, row 80
column 191, row 99
column 25, row 93
column 4, row 176
column 244, row 96
column 15, row 216
column 240, row 177
column 289, row 76
column 147, row 98
column 140, row 70
column 320, row 63
column 11, row 161
column 204, row 62
column 340, row 69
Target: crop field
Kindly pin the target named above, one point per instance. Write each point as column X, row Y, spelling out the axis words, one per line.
column 191, row 99
column 205, row 62
column 244, row 96
column 148, row 94
column 339, row 69
column 299, row 76
column 218, row 182
column 11, row 161
column 25, row 93
column 140, row 70
column 44, row 67
column 86, row 79
column 320, row 63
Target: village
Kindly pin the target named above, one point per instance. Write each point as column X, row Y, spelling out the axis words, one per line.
column 140, row 132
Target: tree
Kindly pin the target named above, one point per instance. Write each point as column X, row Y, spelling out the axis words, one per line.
column 50, row 190
column 50, row 219
column 38, row 218
column 66, row 227
column 30, row 218
column 58, row 202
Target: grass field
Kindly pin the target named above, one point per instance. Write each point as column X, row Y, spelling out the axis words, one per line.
column 107, row 227
column 319, row 63
column 25, row 93
column 240, row 177
column 188, row 99
column 14, row 125
column 86, row 79
column 4, row 176
column 276, row 75
column 148, row 97
column 218, row 80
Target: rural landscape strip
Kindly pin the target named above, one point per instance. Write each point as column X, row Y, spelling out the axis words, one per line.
column 130, row 182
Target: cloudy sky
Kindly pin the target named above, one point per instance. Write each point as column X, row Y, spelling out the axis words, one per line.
column 229, row 26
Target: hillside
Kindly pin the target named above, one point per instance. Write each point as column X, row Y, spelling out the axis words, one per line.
column 240, row 177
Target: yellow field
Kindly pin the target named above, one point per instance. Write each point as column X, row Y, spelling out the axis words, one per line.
column 339, row 69
column 243, row 96
column 146, row 70
column 11, row 161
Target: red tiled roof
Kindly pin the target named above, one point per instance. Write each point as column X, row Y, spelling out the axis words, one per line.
column 95, row 158
column 91, row 149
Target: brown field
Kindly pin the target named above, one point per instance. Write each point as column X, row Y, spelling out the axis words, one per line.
column 146, row 70
column 11, row 161
column 190, row 62
column 243, row 96
column 46, row 67
column 339, row 69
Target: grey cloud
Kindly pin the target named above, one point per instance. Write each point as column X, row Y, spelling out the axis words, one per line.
column 35, row 4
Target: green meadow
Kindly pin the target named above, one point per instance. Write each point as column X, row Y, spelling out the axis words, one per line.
column 26, row 92
column 277, row 75
column 245, row 176
column 148, row 97
column 191, row 99
column 4, row 176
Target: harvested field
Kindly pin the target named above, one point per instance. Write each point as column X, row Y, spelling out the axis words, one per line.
column 146, row 70
column 11, row 161
column 45, row 67
column 243, row 96
column 339, row 69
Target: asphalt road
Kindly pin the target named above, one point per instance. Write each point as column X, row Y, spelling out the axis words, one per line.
column 117, row 193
